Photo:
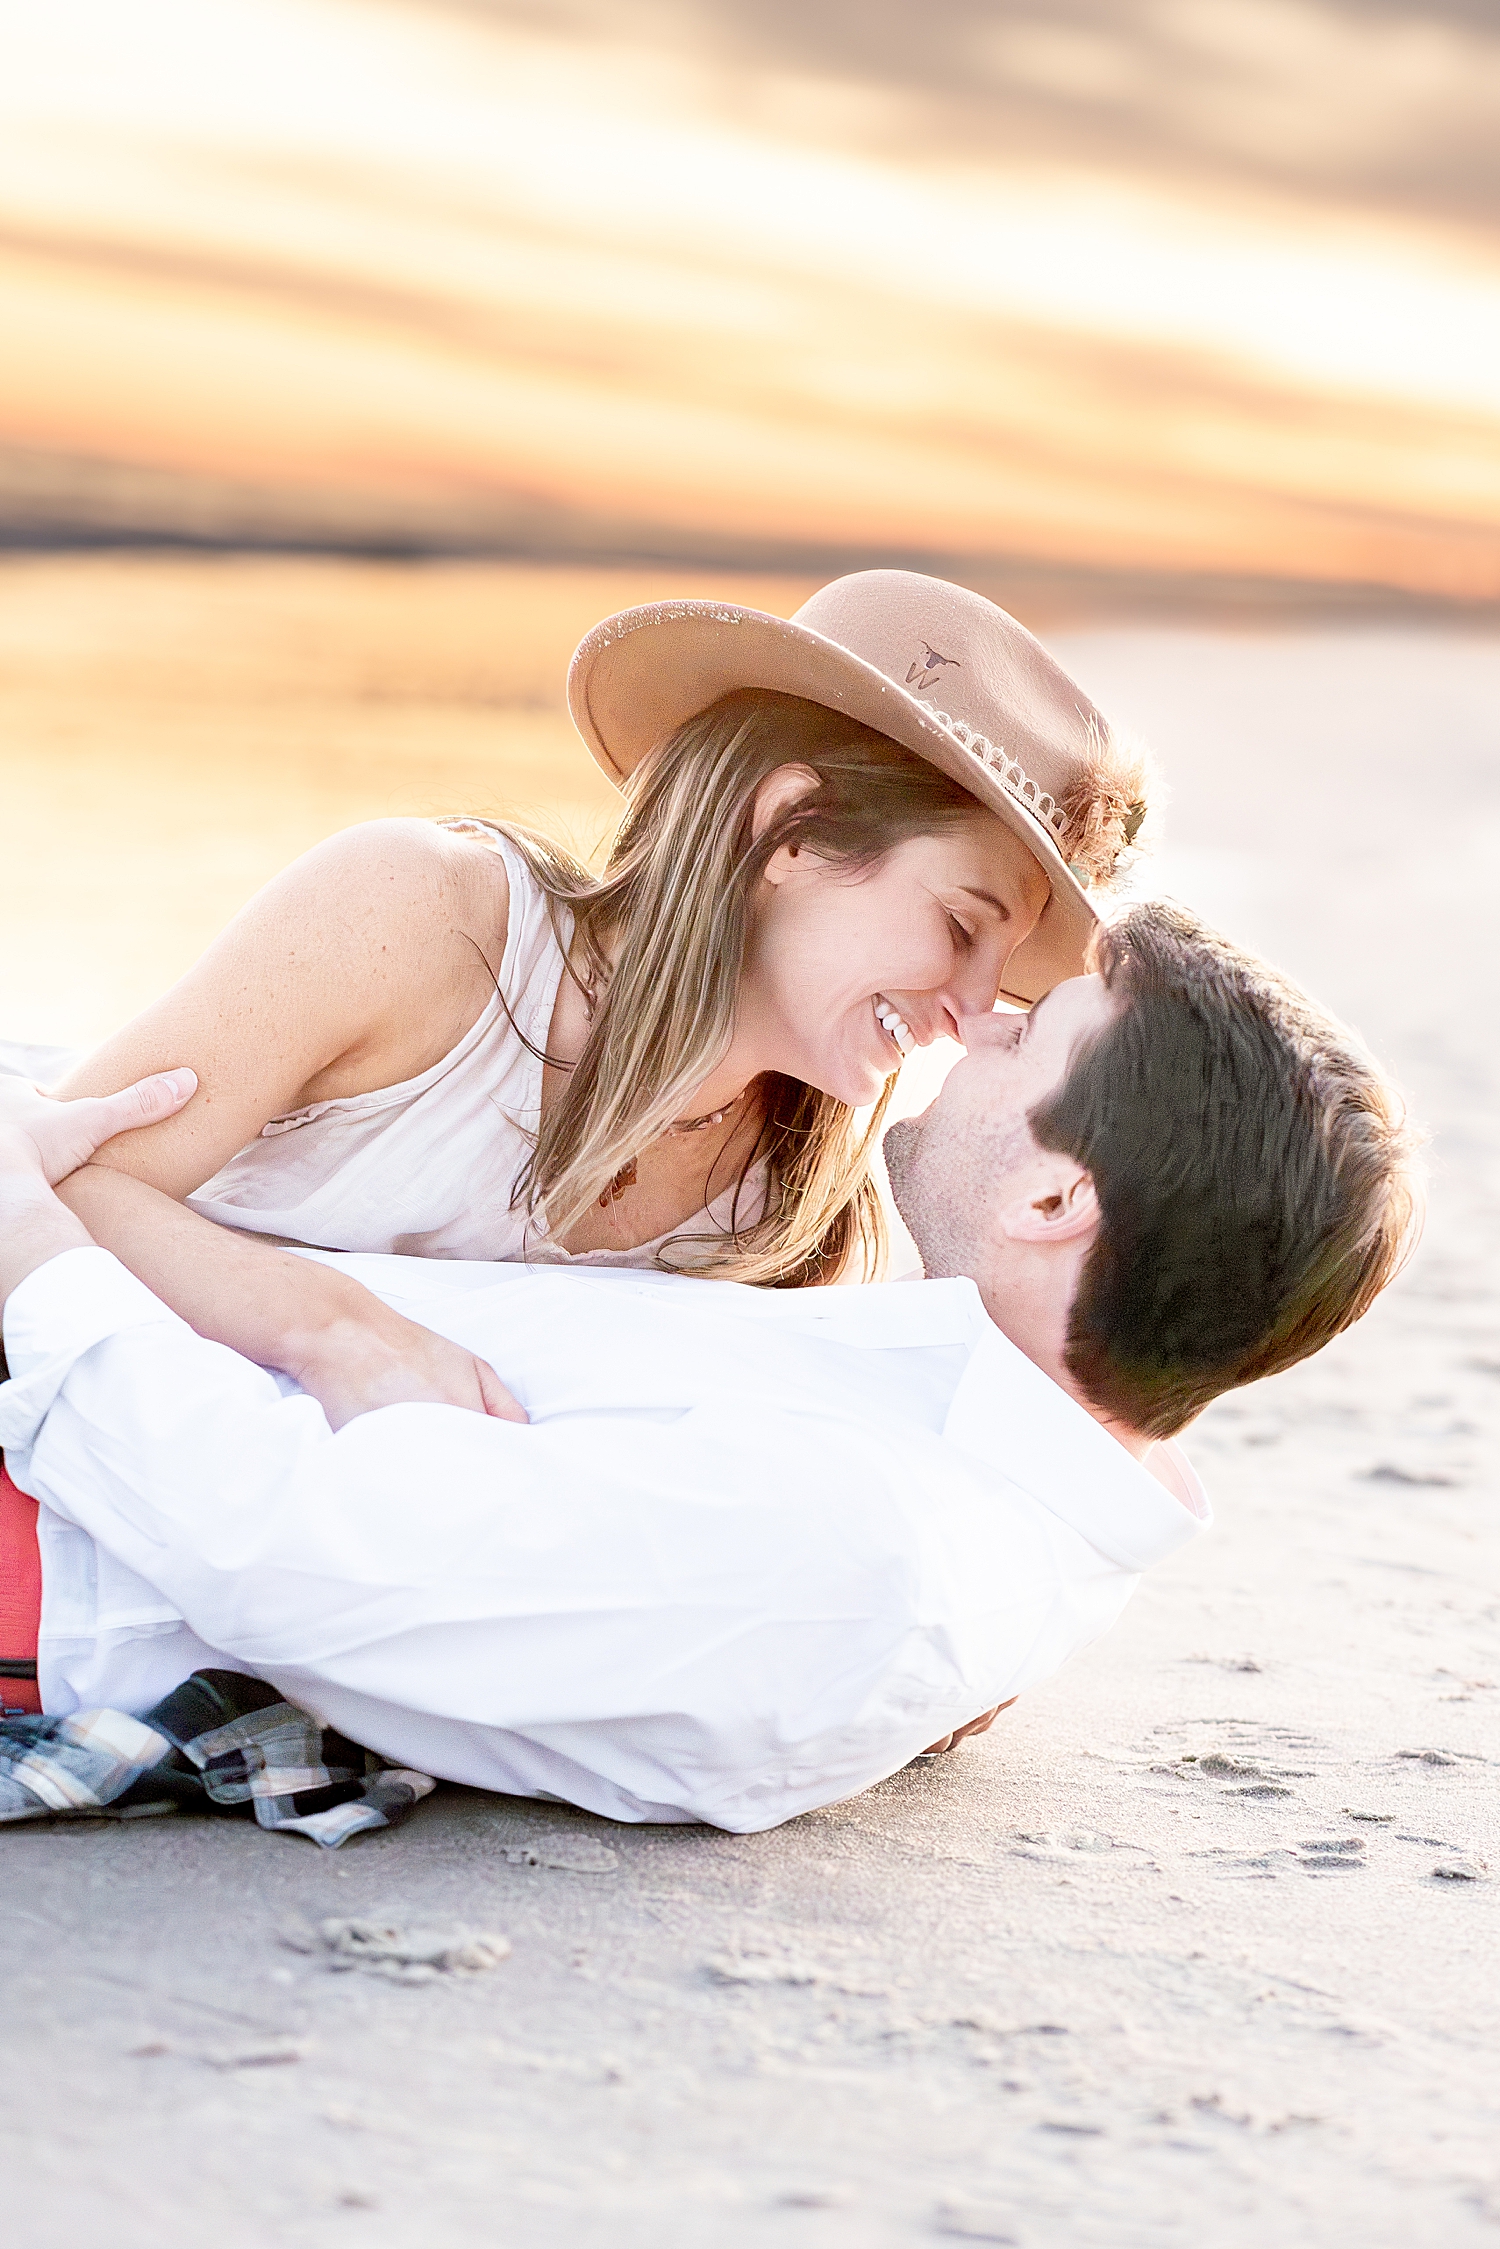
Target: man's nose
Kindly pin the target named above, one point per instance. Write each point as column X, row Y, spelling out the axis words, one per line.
column 986, row 1028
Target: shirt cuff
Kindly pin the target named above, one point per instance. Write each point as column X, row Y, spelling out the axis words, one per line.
column 57, row 1314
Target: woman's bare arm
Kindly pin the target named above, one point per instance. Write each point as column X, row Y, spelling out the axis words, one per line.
column 359, row 966
column 353, row 970
column 350, row 1351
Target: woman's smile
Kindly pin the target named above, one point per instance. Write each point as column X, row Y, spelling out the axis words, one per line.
column 893, row 1025
column 934, row 919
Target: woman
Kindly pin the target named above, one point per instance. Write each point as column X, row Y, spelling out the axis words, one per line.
column 452, row 1041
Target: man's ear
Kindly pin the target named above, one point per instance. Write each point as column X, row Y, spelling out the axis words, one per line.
column 1060, row 1204
column 776, row 795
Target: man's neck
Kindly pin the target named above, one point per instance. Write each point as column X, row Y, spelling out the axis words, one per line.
column 1037, row 1338
column 1137, row 1445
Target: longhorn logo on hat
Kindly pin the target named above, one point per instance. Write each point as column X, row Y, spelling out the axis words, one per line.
column 922, row 675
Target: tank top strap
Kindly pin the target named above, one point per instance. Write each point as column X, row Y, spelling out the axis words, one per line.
column 537, row 935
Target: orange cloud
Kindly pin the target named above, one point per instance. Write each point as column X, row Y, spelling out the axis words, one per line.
column 373, row 270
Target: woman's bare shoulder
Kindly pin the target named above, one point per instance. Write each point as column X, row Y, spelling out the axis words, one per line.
column 412, row 870
column 411, row 912
column 355, row 968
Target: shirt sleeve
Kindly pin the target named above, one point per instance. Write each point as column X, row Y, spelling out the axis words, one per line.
column 731, row 1613
column 58, row 1312
column 121, row 1419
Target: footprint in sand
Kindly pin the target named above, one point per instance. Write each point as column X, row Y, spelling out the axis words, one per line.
column 1240, row 1758
column 1245, row 1776
column 1048, row 1843
column 1335, row 1854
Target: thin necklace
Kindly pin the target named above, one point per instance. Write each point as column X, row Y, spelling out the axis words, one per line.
column 626, row 1175
column 701, row 1124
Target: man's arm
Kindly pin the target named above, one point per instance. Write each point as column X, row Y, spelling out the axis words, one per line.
column 182, row 1417
column 33, row 1228
column 42, row 1140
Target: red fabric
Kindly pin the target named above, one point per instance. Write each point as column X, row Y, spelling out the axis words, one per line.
column 20, row 1592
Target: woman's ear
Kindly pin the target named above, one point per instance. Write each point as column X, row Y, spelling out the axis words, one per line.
column 779, row 791
column 1060, row 1206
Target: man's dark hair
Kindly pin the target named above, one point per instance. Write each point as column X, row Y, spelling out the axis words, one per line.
column 1255, row 1174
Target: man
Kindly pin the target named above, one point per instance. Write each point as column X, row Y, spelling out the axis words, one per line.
column 754, row 1550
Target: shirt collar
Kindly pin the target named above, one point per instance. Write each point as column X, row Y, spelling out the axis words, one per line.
column 1015, row 1419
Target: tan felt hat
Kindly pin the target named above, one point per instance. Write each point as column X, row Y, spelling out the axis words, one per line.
column 940, row 670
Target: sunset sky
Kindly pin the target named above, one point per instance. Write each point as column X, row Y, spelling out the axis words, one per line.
column 1135, row 284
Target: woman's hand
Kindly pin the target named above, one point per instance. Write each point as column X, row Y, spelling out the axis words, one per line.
column 346, row 1348
column 352, row 1362
column 374, row 1358
column 48, row 1138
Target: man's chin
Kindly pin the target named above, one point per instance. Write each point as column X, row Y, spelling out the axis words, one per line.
column 899, row 1148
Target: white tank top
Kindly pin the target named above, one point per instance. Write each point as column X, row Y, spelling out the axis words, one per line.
column 428, row 1168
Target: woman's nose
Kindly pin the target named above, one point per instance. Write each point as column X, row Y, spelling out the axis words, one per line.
column 976, row 981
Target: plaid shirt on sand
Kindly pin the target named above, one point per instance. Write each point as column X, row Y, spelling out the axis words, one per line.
column 221, row 1742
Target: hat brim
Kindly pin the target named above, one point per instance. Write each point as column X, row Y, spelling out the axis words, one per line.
column 640, row 675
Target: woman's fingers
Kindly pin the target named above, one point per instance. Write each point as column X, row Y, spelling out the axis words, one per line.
column 497, row 1399
column 375, row 1358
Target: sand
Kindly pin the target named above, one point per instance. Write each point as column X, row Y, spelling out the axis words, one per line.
column 1198, row 1946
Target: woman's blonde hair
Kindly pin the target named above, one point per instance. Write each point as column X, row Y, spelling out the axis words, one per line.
column 658, row 950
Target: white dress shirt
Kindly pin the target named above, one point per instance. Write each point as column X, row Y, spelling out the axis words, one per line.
column 755, row 1550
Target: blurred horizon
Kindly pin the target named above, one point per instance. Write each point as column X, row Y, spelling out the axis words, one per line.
column 1178, row 302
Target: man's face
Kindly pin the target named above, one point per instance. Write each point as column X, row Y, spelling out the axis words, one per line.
column 953, row 1167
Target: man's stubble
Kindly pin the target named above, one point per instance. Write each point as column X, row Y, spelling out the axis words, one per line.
column 947, row 1176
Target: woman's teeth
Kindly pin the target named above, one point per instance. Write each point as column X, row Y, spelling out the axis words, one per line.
column 891, row 1023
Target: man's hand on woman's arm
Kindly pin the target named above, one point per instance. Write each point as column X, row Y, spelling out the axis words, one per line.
column 42, row 1140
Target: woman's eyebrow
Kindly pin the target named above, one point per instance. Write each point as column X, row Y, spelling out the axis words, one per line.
column 989, row 898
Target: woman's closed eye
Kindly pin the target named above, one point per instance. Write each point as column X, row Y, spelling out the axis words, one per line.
column 962, row 932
